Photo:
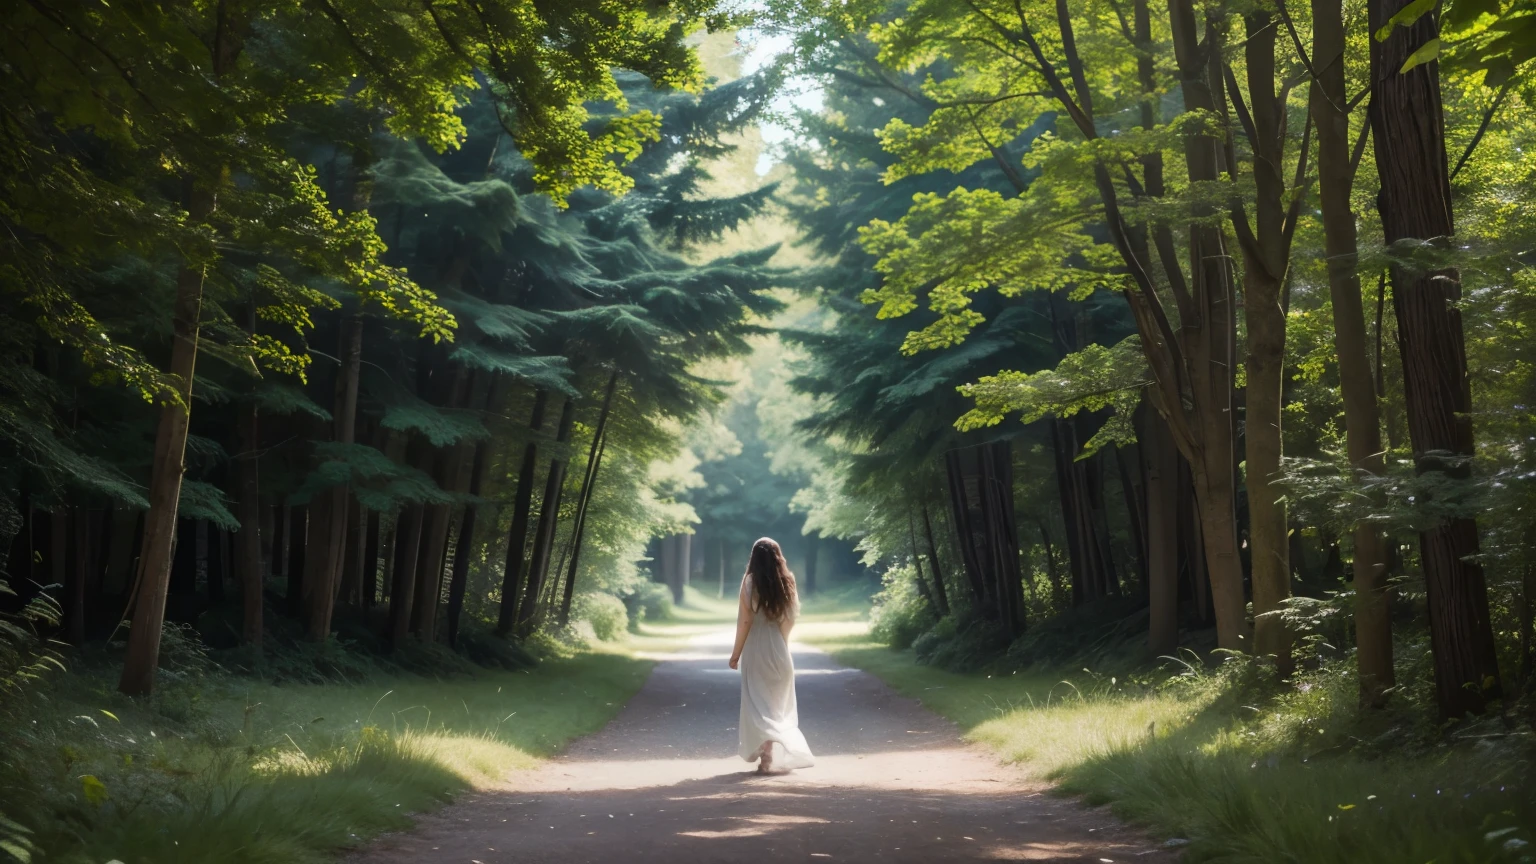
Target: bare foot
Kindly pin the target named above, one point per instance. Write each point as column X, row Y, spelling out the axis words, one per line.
column 765, row 761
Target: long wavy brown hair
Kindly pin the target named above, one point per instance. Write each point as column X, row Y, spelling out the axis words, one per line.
column 771, row 579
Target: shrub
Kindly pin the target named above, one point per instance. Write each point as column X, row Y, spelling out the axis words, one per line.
column 901, row 613
column 605, row 613
column 652, row 601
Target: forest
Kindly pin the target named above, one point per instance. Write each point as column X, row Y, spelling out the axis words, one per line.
column 356, row 345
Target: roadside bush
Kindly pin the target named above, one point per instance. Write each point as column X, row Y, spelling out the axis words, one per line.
column 901, row 613
column 652, row 601
column 607, row 615
column 961, row 643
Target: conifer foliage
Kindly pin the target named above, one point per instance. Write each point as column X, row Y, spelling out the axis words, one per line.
column 283, row 285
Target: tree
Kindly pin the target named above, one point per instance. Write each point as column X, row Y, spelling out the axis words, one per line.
column 1416, row 215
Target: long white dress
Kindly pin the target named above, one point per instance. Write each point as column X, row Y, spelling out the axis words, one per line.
column 768, row 708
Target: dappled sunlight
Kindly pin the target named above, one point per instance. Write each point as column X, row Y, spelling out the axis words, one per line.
column 476, row 759
column 1049, row 737
column 662, row 783
column 815, row 631
column 756, row 826
column 958, row 770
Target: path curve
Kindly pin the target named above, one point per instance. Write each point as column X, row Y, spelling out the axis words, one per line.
column 892, row 783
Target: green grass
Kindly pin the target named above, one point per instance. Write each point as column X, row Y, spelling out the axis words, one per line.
column 219, row 768
column 1234, row 781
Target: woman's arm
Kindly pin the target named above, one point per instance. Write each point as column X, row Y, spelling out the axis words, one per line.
column 743, row 622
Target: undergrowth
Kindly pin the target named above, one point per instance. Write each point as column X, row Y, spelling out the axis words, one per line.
column 287, row 757
column 1223, row 759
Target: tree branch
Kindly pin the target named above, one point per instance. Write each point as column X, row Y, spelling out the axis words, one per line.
column 1482, row 127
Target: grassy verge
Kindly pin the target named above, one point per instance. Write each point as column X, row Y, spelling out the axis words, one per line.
column 1235, row 779
column 222, row 768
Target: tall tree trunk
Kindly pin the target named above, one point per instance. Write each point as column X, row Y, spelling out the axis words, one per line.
column 439, row 519
column 812, row 550
column 1192, row 546
column 996, row 494
column 329, row 511
column 371, row 562
column 1133, row 488
column 1162, row 508
column 720, row 562
column 515, row 570
column 350, row 590
column 280, row 531
column 1098, row 516
column 965, row 532
column 1415, row 206
column 402, row 591
column 298, row 548
column 1209, row 334
column 684, row 557
column 168, row 464
column 1362, row 412
column 458, row 585
column 549, row 516
column 941, row 593
column 217, row 565
column 248, row 509
column 594, row 461
column 1087, row 540
column 1266, row 256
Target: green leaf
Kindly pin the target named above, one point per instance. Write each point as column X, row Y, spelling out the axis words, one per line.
column 1428, row 51
column 1461, row 13
column 95, row 790
column 1405, row 17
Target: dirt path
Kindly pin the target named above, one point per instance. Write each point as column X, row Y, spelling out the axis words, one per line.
column 661, row 783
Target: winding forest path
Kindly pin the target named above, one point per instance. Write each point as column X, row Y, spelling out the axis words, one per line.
column 892, row 782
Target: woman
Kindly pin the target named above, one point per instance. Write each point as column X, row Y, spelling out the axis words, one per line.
column 767, row 611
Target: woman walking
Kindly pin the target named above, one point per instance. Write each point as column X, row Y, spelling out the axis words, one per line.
column 769, row 716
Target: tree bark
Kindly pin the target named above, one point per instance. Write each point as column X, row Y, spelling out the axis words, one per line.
column 960, row 508
column 594, row 461
column 1266, row 256
column 996, row 494
column 371, row 562
column 549, row 515
column 515, row 570
column 812, row 548
column 720, row 562
column 941, row 593
column 1209, row 336
column 1362, row 413
column 1162, row 507
column 168, row 464
column 350, row 589
column 458, row 585
column 298, row 546
column 323, row 578
column 248, row 569
column 1133, row 489
column 434, row 540
column 684, row 559
column 402, row 591
column 1415, row 205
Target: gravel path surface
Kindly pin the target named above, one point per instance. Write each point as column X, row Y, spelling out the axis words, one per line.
column 892, row 782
